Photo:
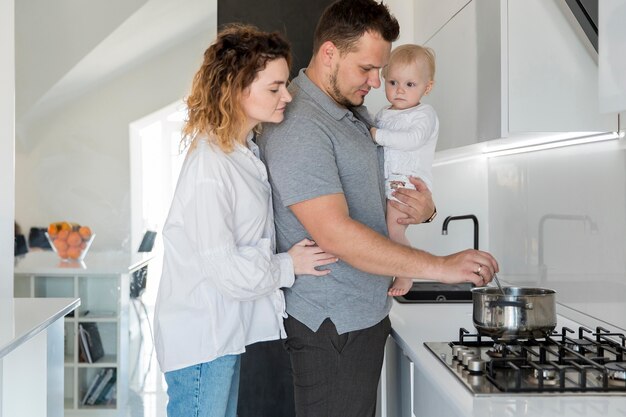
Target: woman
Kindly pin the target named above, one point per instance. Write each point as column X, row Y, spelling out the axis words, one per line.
column 220, row 288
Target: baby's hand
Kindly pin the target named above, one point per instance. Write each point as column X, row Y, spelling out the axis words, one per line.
column 373, row 133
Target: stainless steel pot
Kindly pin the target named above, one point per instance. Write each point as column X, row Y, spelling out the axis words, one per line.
column 519, row 313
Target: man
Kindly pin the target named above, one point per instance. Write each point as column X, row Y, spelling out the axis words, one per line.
column 326, row 174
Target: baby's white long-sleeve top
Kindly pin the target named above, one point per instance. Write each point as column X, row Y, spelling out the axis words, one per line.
column 409, row 137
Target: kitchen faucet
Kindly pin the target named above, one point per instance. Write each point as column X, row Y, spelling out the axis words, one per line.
column 444, row 228
column 593, row 228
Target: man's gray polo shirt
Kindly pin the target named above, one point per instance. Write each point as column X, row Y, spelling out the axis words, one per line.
column 320, row 149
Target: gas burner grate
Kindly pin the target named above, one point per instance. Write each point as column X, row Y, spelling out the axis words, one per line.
column 582, row 361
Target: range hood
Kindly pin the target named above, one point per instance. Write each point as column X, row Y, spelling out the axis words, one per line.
column 586, row 13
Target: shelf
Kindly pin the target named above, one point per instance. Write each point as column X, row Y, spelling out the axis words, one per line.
column 103, row 288
column 97, row 407
column 96, row 319
column 107, row 361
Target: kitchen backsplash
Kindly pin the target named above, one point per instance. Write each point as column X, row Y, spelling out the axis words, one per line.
column 554, row 218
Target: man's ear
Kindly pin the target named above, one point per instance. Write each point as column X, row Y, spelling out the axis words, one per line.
column 328, row 51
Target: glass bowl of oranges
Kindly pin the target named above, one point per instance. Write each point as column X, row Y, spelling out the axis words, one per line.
column 70, row 241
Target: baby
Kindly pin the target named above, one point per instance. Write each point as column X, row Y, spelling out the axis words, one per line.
column 408, row 130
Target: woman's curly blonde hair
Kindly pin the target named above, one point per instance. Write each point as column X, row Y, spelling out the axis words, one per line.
column 230, row 65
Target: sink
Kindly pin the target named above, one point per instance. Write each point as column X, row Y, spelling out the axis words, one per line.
column 435, row 292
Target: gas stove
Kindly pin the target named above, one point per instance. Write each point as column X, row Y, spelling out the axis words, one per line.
column 582, row 362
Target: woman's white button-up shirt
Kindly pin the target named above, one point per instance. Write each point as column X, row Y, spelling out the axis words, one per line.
column 220, row 287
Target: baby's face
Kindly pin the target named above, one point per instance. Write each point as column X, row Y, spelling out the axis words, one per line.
column 405, row 84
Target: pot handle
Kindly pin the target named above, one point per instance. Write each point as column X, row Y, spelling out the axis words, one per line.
column 509, row 303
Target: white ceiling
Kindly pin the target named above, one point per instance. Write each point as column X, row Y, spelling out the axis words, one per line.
column 74, row 48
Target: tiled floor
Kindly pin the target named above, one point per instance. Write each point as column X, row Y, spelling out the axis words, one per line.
column 147, row 397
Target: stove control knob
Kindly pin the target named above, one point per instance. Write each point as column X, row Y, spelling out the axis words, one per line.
column 476, row 365
column 458, row 349
column 467, row 357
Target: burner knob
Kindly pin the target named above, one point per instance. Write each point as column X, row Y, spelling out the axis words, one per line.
column 475, row 380
column 456, row 350
column 476, row 365
column 467, row 356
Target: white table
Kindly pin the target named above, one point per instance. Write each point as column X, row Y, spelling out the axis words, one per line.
column 32, row 361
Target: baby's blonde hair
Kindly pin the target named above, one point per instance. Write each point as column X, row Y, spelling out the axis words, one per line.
column 409, row 53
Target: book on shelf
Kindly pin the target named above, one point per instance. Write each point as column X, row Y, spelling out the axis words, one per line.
column 90, row 344
column 102, row 388
column 108, row 396
column 99, row 314
column 92, row 385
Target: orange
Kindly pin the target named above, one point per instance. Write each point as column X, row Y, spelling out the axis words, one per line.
column 66, row 226
column 52, row 230
column 60, row 245
column 73, row 252
column 63, row 234
column 74, row 239
column 85, row 232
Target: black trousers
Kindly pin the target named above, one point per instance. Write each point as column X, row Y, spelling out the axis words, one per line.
column 335, row 375
column 265, row 382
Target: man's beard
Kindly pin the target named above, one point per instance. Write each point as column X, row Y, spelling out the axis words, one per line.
column 336, row 93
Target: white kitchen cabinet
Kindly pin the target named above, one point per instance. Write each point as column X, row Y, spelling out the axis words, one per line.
column 408, row 394
column 612, row 42
column 428, row 400
column 432, row 15
column 102, row 283
column 398, row 374
column 510, row 67
column 467, row 92
column 552, row 71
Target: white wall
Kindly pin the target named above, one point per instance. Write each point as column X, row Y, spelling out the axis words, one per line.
column 7, row 143
column 587, row 267
column 510, row 194
column 78, row 168
column 458, row 189
column 403, row 12
column 66, row 31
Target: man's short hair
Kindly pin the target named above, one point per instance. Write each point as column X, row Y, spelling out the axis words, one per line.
column 345, row 21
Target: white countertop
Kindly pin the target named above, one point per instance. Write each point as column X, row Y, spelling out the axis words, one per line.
column 34, row 315
column 414, row 324
column 48, row 263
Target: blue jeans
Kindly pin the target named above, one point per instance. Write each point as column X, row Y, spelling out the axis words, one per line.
column 208, row 389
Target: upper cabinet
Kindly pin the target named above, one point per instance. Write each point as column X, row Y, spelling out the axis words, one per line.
column 612, row 15
column 467, row 92
column 553, row 74
column 510, row 67
column 432, row 15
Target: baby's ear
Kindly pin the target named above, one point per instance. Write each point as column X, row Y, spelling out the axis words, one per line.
column 429, row 87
